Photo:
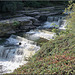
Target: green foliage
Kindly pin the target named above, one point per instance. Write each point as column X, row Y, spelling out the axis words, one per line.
column 71, row 17
column 16, row 23
column 67, row 31
column 54, row 25
column 56, row 31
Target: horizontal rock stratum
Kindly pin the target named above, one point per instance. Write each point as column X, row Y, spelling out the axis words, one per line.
column 14, row 25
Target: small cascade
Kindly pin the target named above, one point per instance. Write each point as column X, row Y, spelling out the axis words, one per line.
column 54, row 21
column 16, row 40
column 37, row 34
column 50, row 19
column 53, row 18
column 16, row 49
column 57, row 21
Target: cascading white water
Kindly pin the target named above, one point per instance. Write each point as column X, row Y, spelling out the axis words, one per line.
column 59, row 21
column 16, row 48
column 13, row 53
column 37, row 33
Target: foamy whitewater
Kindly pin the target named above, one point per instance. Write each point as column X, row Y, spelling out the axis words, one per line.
column 16, row 49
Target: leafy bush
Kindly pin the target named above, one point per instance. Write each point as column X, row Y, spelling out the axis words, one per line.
column 54, row 25
column 71, row 17
column 16, row 23
column 67, row 31
column 56, row 31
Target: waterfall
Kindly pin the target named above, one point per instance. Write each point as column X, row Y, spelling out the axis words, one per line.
column 16, row 49
column 54, row 21
column 53, row 18
column 37, row 34
column 50, row 19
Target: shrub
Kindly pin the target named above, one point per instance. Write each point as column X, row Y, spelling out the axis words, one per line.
column 56, row 31
column 54, row 25
column 16, row 23
column 71, row 17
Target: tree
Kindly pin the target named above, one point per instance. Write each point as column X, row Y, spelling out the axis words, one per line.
column 71, row 15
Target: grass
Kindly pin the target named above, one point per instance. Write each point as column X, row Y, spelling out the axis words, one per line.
column 56, row 57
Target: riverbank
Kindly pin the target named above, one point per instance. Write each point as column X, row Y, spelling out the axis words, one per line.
column 19, row 48
column 49, row 48
column 55, row 57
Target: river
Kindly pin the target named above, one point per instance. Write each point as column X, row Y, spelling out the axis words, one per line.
column 16, row 48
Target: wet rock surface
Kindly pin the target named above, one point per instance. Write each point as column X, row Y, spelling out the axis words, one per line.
column 48, row 11
column 14, row 52
column 14, row 25
column 28, row 19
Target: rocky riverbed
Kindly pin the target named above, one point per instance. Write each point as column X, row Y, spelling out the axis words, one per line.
column 16, row 49
column 27, row 19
